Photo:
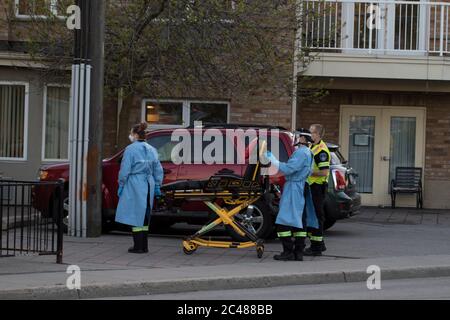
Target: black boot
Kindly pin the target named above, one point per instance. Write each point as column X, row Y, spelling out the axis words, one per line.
column 288, row 250
column 314, row 249
column 299, row 247
column 138, row 243
column 145, row 241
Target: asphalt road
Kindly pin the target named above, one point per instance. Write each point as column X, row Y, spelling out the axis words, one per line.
column 409, row 289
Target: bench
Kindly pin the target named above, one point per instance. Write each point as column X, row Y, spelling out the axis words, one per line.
column 407, row 180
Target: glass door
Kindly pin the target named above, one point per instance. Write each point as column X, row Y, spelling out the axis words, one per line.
column 360, row 129
column 377, row 140
column 403, row 147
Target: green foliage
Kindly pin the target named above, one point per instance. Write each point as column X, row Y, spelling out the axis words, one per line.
column 183, row 47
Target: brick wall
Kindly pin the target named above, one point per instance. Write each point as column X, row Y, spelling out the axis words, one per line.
column 437, row 158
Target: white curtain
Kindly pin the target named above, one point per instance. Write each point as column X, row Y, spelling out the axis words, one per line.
column 57, row 123
column 12, row 113
column 403, row 143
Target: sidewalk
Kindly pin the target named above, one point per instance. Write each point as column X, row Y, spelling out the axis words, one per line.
column 376, row 237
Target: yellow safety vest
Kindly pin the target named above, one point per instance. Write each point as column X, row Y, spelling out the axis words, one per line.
column 316, row 149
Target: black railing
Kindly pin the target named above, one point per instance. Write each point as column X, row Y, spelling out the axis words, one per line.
column 28, row 226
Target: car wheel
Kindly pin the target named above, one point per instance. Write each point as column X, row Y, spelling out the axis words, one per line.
column 328, row 223
column 257, row 218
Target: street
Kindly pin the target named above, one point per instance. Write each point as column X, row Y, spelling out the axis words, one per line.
column 434, row 288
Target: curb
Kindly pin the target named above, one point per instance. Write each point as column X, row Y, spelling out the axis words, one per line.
column 205, row 284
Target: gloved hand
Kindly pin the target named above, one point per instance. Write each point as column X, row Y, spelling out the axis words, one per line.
column 157, row 191
column 269, row 156
column 119, row 191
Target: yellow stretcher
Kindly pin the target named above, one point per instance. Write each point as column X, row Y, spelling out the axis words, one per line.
column 235, row 192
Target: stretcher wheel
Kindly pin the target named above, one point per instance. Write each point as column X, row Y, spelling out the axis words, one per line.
column 192, row 248
column 260, row 251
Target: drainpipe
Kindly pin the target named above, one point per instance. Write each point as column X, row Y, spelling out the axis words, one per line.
column 297, row 44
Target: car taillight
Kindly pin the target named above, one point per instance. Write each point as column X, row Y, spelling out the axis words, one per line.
column 339, row 180
column 43, row 174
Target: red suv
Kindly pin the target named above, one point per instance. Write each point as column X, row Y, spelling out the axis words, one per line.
column 198, row 213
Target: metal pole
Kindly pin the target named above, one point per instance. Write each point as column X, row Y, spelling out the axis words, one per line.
column 87, row 122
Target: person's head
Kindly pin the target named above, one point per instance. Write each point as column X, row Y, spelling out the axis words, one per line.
column 302, row 136
column 317, row 132
column 138, row 132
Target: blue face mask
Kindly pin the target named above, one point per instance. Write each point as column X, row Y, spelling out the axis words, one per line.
column 132, row 138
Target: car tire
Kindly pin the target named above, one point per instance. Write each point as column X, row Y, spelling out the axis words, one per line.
column 263, row 222
column 328, row 223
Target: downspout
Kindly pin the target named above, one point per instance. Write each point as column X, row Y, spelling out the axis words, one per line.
column 297, row 43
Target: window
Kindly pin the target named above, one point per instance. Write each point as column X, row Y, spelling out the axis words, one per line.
column 164, row 145
column 40, row 8
column 164, row 113
column 208, row 112
column 56, row 119
column 13, row 119
column 179, row 113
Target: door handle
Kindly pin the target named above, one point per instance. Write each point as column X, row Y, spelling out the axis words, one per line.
column 385, row 158
column 167, row 171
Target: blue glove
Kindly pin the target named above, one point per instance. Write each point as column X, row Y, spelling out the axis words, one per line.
column 157, row 191
column 119, row 191
column 269, row 156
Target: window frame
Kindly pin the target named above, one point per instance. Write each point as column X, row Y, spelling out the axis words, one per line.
column 25, row 120
column 44, row 120
column 53, row 9
column 186, row 115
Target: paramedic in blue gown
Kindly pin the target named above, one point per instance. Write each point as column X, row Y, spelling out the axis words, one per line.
column 296, row 207
column 140, row 178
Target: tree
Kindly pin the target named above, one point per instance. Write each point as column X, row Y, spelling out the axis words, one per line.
column 176, row 47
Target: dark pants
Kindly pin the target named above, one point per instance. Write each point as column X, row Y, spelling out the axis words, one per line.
column 318, row 192
column 286, row 231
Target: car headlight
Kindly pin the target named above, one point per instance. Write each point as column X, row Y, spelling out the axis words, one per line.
column 43, row 174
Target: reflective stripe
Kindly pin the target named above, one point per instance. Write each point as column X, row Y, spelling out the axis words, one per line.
column 309, row 234
column 285, row 234
column 300, row 234
column 318, row 239
column 139, row 229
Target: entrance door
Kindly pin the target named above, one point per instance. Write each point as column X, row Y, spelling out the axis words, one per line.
column 375, row 141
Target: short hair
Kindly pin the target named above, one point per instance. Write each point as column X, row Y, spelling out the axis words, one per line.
column 319, row 128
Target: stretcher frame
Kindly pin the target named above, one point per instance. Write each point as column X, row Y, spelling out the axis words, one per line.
column 226, row 216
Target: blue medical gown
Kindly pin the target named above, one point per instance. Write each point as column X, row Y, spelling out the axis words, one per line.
column 292, row 203
column 140, row 171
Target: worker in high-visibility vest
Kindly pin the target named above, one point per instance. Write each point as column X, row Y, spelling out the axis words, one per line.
column 296, row 211
column 318, row 182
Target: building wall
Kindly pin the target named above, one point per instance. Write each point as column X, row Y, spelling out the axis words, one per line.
column 26, row 170
column 437, row 157
column 270, row 106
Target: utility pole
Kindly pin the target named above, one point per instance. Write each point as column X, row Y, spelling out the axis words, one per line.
column 94, row 170
column 86, row 122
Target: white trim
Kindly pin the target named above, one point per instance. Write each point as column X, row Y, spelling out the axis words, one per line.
column 44, row 119
column 25, row 120
column 186, row 105
column 53, row 9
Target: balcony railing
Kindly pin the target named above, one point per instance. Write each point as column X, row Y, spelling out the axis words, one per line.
column 379, row 27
